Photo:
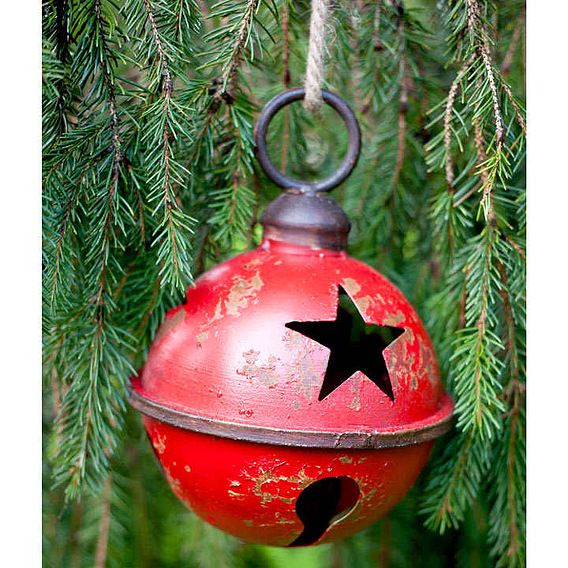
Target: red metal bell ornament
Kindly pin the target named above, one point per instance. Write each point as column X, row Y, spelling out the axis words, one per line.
column 295, row 397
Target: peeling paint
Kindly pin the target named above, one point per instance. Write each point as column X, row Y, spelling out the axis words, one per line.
column 355, row 388
column 395, row 318
column 264, row 372
column 428, row 361
column 352, row 286
column 364, row 304
column 200, row 338
column 241, row 293
column 301, row 480
column 175, row 483
column 235, row 495
column 301, row 372
column 159, row 442
column 252, row 263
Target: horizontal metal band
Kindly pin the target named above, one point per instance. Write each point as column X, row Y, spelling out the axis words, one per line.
column 281, row 437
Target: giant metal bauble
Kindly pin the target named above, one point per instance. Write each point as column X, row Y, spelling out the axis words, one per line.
column 294, row 398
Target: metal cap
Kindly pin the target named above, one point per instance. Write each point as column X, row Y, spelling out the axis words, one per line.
column 305, row 214
column 310, row 219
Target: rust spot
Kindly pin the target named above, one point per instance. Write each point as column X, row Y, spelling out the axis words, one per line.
column 187, row 468
column 345, row 459
column 169, row 324
column 175, row 484
column 268, row 476
column 235, row 495
column 248, row 523
column 355, row 388
column 352, row 286
column 428, row 361
column 241, row 293
column 252, row 263
column 263, row 372
column 159, row 442
column 301, row 372
column 281, row 521
column 200, row 338
column 302, row 479
column 395, row 319
column 364, row 304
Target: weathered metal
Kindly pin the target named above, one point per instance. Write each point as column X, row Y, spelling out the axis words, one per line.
column 346, row 166
column 232, row 392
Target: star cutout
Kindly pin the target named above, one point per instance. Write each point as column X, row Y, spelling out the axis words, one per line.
column 354, row 346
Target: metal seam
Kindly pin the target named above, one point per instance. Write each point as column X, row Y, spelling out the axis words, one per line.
column 280, row 437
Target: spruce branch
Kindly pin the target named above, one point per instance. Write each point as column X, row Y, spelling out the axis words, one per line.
column 104, row 525
column 165, row 123
column 146, row 117
column 449, row 110
column 87, row 417
column 455, row 481
column 230, row 68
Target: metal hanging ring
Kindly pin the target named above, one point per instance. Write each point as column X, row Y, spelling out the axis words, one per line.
column 346, row 166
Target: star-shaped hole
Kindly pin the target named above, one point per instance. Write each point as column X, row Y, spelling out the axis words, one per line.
column 354, row 346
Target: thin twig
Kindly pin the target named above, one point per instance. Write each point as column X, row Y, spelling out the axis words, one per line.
column 104, row 525
column 168, row 83
column 479, row 38
column 402, row 107
column 516, row 109
column 452, row 94
column 516, row 392
column 508, row 59
column 231, row 68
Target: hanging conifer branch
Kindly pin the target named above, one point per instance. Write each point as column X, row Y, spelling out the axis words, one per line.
column 148, row 137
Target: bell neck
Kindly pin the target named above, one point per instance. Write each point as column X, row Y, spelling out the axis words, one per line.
column 288, row 248
column 308, row 219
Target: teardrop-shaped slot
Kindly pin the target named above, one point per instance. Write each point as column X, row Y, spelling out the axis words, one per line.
column 323, row 503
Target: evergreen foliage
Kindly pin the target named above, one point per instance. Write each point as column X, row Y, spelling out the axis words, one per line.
column 150, row 179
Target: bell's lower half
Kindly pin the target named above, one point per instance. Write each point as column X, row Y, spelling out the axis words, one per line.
column 284, row 496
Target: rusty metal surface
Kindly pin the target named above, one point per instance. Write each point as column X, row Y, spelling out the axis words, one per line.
column 251, row 490
column 425, row 431
column 231, row 390
column 227, row 354
column 313, row 220
column 346, row 166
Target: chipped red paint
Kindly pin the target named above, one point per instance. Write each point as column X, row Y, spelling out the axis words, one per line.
column 249, row 490
column 230, row 358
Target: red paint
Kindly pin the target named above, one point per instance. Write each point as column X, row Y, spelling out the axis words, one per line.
column 227, row 355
